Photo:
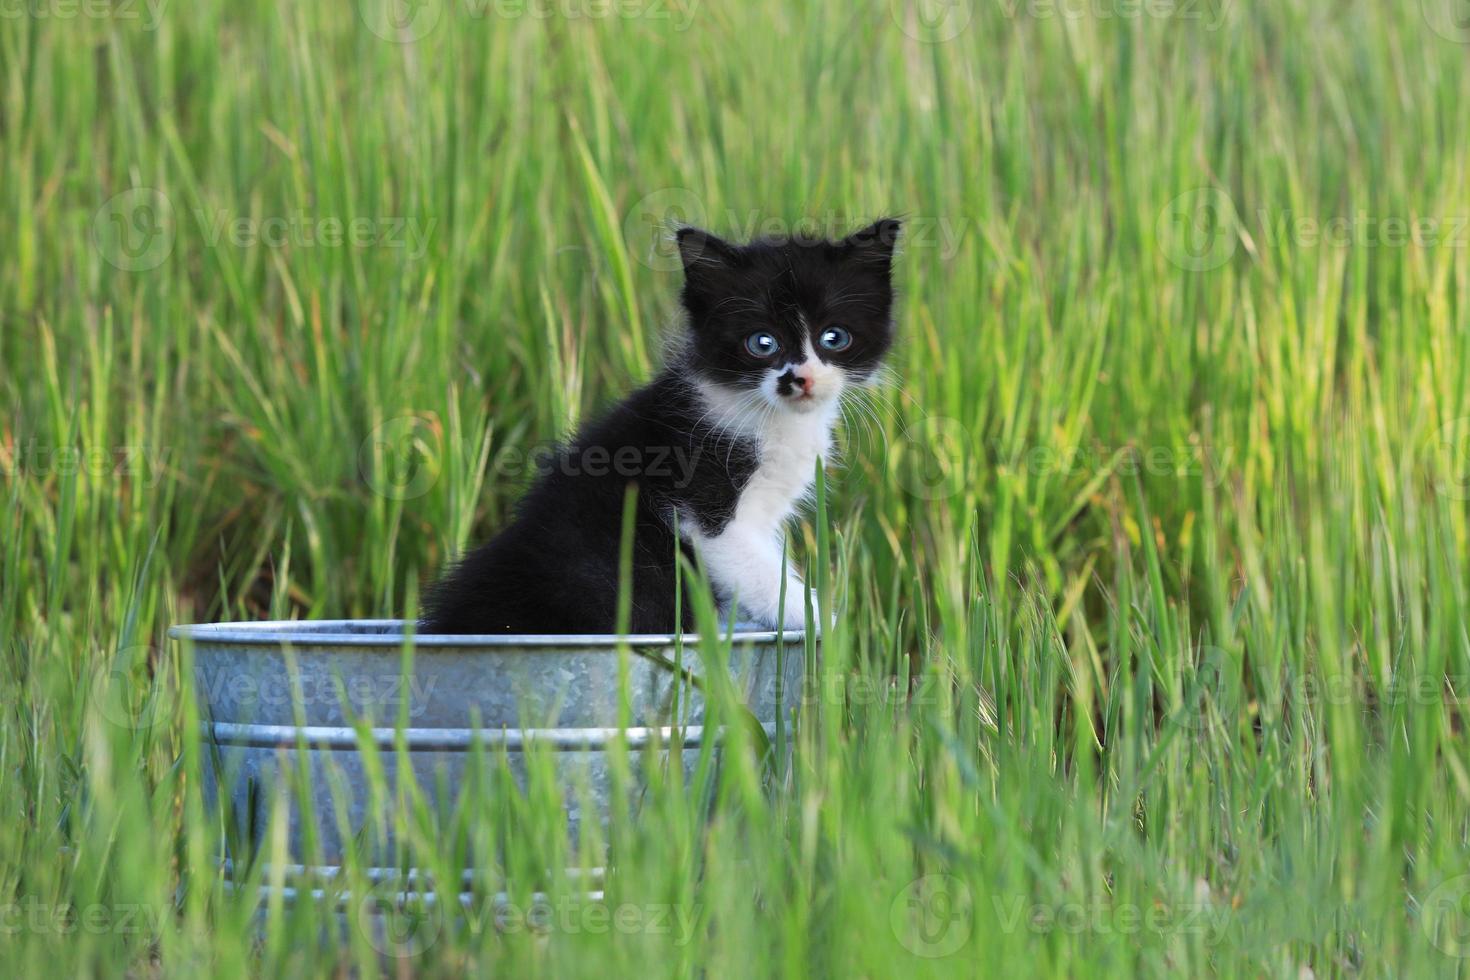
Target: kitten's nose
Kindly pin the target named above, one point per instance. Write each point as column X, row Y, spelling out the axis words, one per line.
column 797, row 381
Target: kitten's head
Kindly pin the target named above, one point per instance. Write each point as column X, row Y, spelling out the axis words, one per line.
column 793, row 321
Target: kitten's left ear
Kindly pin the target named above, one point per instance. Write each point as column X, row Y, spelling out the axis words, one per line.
column 698, row 248
column 875, row 243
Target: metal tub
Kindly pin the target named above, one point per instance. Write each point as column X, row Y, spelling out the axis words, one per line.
column 267, row 688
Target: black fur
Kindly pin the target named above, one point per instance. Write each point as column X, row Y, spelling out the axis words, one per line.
column 554, row 568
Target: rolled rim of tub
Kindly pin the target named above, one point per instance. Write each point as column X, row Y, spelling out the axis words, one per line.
column 392, row 633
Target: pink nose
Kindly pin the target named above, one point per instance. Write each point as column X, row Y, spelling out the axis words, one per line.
column 805, row 381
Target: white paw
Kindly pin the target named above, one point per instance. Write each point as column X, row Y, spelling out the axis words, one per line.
column 793, row 616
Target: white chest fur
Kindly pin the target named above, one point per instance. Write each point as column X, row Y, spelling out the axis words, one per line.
column 789, row 449
column 745, row 560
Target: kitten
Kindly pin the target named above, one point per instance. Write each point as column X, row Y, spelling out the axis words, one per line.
column 722, row 445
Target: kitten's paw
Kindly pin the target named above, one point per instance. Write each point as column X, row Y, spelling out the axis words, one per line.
column 793, row 616
column 794, row 620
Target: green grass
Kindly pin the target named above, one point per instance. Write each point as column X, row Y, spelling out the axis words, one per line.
column 1162, row 521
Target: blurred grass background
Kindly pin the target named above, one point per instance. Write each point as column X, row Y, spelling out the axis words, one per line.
column 1173, row 470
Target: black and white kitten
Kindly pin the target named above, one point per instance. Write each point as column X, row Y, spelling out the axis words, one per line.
column 722, row 445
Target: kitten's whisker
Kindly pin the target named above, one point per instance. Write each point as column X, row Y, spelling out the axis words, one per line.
column 862, row 402
column 856, row 418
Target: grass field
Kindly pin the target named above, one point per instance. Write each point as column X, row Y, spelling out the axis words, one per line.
column 1173, row 471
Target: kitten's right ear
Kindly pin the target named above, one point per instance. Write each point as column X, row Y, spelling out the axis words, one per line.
column 702, row 252
column 875, row 243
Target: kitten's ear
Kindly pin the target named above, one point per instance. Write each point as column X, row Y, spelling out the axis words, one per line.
column 702, row 252
column 875, row 243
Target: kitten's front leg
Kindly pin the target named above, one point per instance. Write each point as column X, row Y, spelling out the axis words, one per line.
column 793, row 615
column 752, row 570
column 768, row 609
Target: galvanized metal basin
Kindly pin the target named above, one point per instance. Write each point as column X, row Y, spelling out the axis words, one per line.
column 268, row 688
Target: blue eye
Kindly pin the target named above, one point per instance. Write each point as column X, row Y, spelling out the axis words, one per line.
column 835, row 339
column 762, row 344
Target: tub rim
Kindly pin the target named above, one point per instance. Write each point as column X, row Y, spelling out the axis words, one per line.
column 319, row 632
